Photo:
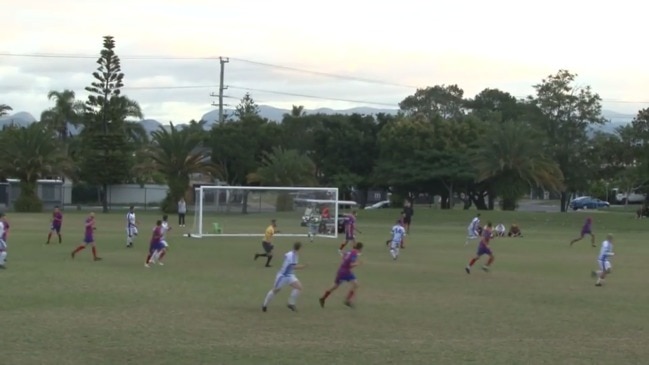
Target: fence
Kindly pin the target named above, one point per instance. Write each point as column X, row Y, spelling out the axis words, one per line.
column 51, row 193
column 144, row 197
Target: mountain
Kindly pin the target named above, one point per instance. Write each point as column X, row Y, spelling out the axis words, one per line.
column 20, row 119
column 277, row 114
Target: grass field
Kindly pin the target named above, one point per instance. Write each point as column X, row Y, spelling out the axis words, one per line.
column 538, row 305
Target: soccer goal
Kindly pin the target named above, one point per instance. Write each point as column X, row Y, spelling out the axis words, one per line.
column 246, row 211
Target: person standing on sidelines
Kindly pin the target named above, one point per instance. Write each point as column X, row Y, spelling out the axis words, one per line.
column 182, row 211
column 3, row 242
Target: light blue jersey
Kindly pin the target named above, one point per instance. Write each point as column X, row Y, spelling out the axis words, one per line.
column 290, row 260
column 398, row 233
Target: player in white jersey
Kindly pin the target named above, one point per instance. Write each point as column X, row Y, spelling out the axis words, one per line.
column 473, row 230
column 286, row 276
column 3, row 244
column 398, row 235
column 131, row 226
column 603, row 260
column 500, row 230
column 158, row 255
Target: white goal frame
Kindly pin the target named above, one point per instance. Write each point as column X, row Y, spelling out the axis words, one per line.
column 200, row 194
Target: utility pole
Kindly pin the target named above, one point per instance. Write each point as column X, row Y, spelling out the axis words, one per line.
column 222, row 87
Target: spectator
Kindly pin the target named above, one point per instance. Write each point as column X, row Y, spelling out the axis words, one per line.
column 182, row 211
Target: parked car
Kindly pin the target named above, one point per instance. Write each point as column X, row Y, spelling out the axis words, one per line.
column 587, row 202
column 634, row 197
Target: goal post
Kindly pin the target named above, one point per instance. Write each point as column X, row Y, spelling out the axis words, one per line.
column 246, row 211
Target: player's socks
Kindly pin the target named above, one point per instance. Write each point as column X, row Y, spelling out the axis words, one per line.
column 94, row 252
column 490, row 261
column 326, row 294
column 148, row 258
column 268, row 260
column 268, row 298
column 292, row 299
column 162, row 255
column 473, row 261
column 342, row 246
column 394, row 254
column 60, row 239
column 258, row 255
column 49, row 237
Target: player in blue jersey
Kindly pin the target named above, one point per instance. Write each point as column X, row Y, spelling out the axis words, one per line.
column 286, row 276
column 398, row 236
column 603, row 260
column 345, row 274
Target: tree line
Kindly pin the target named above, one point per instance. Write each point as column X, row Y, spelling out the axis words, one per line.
column 491, row 149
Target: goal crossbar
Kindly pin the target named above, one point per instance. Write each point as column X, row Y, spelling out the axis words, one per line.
column 313, row 223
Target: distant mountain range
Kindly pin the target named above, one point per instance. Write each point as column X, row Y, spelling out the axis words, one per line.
column 276, row 114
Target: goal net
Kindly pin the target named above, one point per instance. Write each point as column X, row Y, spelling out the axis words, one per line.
column 246, row 211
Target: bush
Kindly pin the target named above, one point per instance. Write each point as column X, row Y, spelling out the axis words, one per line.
column 28, row 201
column 284, row 202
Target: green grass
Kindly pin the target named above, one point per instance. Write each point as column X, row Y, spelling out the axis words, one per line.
column 537, row 306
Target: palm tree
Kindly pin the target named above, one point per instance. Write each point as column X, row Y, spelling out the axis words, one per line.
column 281, row 167
column 512, row 158
column 66, row 110
column 31, row 153
column 177, row 154
column 4, row 109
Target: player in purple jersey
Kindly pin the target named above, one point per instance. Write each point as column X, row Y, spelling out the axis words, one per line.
column 57, row 222
column 350, row 230
column 89, row 238
column 156, row 242
column 350, row 261
column 587, row 229
column 483, row 249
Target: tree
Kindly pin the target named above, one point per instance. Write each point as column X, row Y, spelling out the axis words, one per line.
column 440, row 101
column 66, row 111
column 281, row 167
column 108, row 155
column 247, row 108
column 177, row 154
column 4, row 109
column 512, row 156
column 566, row 112
column 29, row 154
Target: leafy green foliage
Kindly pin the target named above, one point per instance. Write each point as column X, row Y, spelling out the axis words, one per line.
column 31, row 153
column 4, row 109
column 177, row 154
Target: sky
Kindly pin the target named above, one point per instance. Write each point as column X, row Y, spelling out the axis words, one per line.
column 401, row 46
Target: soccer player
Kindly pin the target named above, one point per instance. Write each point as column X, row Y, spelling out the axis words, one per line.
column 398, row 235
column 587, row 229
column 483, row 249
column 131, row 226
column 3, row 242
column 473, row 231
column 406, row 215
column 156, row 242
column 57, row 222
column 350, row 230
column 500, row 230
column 605, row 253
column 158, row 255
column 286, row 276
column 89, row 238
column 350, row 261
column 267, row 244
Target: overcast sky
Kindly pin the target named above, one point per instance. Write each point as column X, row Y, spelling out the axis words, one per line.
column 477, row 44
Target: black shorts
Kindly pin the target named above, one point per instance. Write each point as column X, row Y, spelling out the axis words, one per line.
column 267, row 246
column 406, row 220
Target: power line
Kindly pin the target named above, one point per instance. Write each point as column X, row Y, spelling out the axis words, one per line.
column 311, row 96
column 326, row 74
column 264, row 64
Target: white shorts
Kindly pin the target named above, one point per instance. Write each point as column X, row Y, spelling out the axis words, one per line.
column 164, row 242
column 131, row 231
column 395, row 244
column 470, row 234
column 284, row 280
column 604, row 265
